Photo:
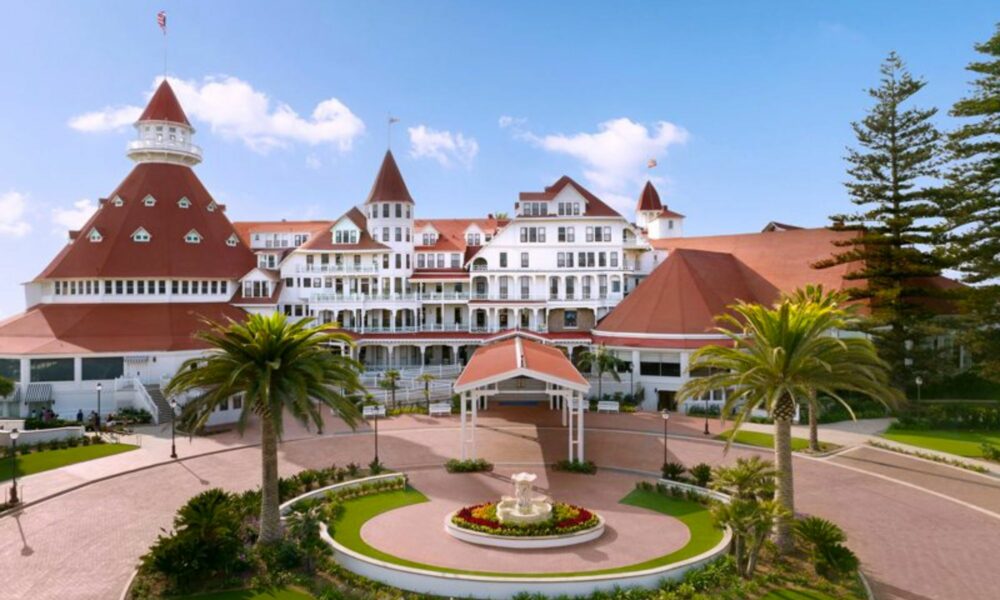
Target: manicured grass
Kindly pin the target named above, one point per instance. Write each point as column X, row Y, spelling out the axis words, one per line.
column 962, row 443
column 704, row 535
column 283, row 594
column 795, row 594
column 763, row 440
column 44, row 460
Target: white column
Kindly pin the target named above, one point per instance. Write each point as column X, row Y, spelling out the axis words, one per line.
column 475, row 410
column 562, row 409
column 461, row 420
column 423, row 351
column 579, row 425
column 569, row 429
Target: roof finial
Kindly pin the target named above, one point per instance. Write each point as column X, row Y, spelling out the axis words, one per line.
column 388, row 133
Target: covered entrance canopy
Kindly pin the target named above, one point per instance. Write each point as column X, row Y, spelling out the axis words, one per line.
column 493, row 368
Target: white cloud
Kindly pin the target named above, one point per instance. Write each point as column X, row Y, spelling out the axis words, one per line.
column 233, row 109
column 506, row 121
column 13, row 206
column 74, row 218
column 614, row 158
column 443, row 146
column 108, row 119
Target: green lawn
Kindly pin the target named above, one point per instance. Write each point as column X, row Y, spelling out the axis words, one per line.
column 795, row 594
column 962, row 443
column 763, row 440
column 704, row 535
column 43, row 460
column 284, row 594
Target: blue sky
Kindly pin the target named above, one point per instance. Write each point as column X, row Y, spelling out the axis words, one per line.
column 746, row 106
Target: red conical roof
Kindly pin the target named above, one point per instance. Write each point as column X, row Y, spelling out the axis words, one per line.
column 650, row 199
column 114, row 253
column 389, row 185
column 163, row 106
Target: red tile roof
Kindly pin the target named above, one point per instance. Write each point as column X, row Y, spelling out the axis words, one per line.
column 246, row 228
column 389, row 185
column 451, row 232
column 163, row 106
column 167, row 254
column 93, row 328
column 649, row 199
column 323, row 238
column 595, row 206
column 513, row 356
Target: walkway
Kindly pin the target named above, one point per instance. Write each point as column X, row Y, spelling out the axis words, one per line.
column 915, row 544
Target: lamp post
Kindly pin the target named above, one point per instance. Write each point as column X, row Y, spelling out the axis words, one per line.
column 919, row 381
column 173, row 419
column 14, row 434
column 666, row 419
column 706, row 414
column 376, row 437
column 97, row 423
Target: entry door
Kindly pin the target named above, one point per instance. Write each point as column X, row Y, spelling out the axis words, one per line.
column 666, row 399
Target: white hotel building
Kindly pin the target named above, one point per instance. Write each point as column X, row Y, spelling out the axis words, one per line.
column 119, row 304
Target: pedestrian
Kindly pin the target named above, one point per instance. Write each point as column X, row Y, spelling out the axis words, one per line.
column 79, row 416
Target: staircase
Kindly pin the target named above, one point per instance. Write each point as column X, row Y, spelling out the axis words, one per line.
column 164, row 412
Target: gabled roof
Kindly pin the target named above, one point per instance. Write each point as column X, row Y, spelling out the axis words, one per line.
column 684, row 294
column 166, row 254
column 777, row 226
column 649, row 199
column 595, row 206
column 519, row 357
column 117, row 328
column 163, row 106
column 246, row 229
column 451, row 232
column 323, row 240
column 389, row 185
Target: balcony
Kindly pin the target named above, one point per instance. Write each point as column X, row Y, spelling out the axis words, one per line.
column 356, row 298
column 332, row 269
column 187, row 149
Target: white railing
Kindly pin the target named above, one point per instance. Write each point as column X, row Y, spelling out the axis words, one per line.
column 185, row 147
column 332, row 297
column 144, row 400
column 342, row 268
column 435, row 297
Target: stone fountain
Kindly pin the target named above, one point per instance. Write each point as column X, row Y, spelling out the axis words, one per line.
column 524, row 508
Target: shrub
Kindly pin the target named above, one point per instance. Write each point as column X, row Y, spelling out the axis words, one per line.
column 701, row 473
column 836, row 561
column 472, row 465
column 353, row 469
column 825, row 541
column 672, row 470
column 375, row 467
column 85, row 440
column 575, row 466
column 73, row 442
column 140, row 416
column 990, row 452
column 96, row 439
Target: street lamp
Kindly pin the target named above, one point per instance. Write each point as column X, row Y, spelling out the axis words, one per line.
column 666, row 419
column 14, row 434
column 919, row 381
column 173, row 419
column 97, row 423
column 376, row 437
column 706, row 414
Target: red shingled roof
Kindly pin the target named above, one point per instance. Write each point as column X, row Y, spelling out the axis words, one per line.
column 92, row 328
column 595, row 206
column 163, row 106
column 451, row 232
column 323, row 239
column 167, row 254
column 246, row 228
column 389, row 185
column 515, row 356
column 649, row 199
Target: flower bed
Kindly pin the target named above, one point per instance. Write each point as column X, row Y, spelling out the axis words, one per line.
column 566, row 519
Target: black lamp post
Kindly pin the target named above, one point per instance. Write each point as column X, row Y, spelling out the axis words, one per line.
column 376, row 436
column 14, row 434
column 173, row 419
column 919, row 381
column 706, row 415
column 97, row 423
column 666, row 419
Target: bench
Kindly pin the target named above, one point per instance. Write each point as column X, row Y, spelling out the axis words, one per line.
column 439, row 408
column 609, row 406
column 373, row 411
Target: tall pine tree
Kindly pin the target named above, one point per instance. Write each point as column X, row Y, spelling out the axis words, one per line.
column 892, row 169
column 972, row 205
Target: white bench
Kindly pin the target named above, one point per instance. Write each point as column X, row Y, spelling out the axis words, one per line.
column 609, row 406
column 439, row 408
column 373, row 411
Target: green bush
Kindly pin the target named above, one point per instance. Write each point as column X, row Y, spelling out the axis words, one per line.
column 472, row 465
column 961, row 416
column 672, row 470
column 140, row 416
column 375, row 467
column 701, row 473
column 990, row 452
column 825, row 541
column 575, row 466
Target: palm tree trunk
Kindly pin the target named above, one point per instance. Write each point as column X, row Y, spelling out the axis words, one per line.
column 813, row 426
column 784, row 490
column 270, row 520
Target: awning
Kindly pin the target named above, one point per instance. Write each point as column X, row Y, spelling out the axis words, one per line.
column 137, row 359
column 520, row 357
column 38, row 393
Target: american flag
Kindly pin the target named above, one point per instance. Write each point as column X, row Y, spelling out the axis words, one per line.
column 161, row 20
column 651, row 163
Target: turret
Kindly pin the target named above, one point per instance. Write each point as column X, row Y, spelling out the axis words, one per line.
column 164, row 134
column 389, row 209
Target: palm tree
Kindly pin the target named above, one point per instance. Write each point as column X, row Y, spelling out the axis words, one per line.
column 781, row 355
column 388, row 382
column 427, row 378
column 750, row 478
column 601, row 360
column 277, row 366
column 6, row 387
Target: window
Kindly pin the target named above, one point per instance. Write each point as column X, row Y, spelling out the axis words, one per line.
column 301, row 238
column 51, row 369
column 429, row 239
column 211, row 206
column 503, row 288
column 192, row 237
column 94, row 236
column 570, row 287
column 473, row 239
column 10, row 368
column 149, row 201
column 524, row 260
column 535, row 209
column 440, row 261
column 385, row 261
column 141, row 235
column 456, row 261
column 613, row 256
column 670, row 224
column 421, row 261
column 385, row 232
column 503, row 260
column 590, row 234
column 385, row 211
column 399, row 211
column 399, row 233
column 232, row 240
column 525, row 284
column 533, row 235
column 346, row 237
column 117, row 201
column 399, row 261
column 256, row 289
column 660, row 364
column 602, row 259
column 561, row 260
column 569, row 319
column 407, row 211
column 107, row 367
column 567, row 234
column 184, row 203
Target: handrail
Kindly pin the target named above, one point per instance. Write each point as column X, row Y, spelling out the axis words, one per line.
column 143, row 395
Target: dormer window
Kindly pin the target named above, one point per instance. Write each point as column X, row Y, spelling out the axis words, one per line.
column 232, row 241
column 117, row 201
column 212, row 206
column 184, row 203
column 193, row 237
column 141, row 235
column 95, row 236
column 149, row 201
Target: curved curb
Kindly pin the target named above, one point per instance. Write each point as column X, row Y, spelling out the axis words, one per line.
column 510, row 542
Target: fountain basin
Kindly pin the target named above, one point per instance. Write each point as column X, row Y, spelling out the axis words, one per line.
column 524, row 542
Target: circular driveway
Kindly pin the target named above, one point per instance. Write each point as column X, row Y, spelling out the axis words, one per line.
column 915, row 541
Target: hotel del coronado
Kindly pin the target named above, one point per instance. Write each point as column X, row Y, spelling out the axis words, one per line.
column 119, row 304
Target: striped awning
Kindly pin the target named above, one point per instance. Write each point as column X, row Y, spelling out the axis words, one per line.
column 138, row 358
column 38, row 393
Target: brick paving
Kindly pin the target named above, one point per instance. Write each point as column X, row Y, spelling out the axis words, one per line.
column 84, row 544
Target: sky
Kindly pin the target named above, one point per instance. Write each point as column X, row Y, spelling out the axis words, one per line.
column 746, row 107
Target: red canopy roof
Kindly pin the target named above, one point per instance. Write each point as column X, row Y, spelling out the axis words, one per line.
column 389, row 185
column 163, row 106
column 93, row 328
column 517, row 357
column 166, row 254
column 649, row 199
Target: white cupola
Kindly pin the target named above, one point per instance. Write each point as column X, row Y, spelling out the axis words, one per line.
column 164, row 132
